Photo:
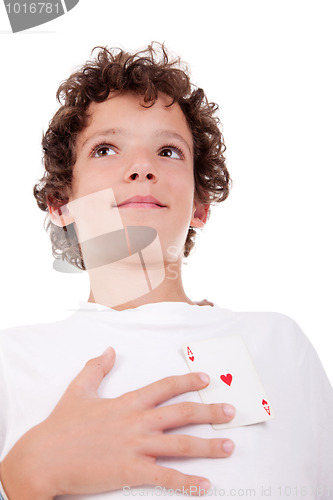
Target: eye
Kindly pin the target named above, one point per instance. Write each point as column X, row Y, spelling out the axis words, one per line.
column 172, row 152
column 102, row 150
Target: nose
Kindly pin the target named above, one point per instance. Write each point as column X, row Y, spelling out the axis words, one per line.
column 141, row 168
column 142, row 176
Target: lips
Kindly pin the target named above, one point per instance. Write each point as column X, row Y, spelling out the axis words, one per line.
column 144, row 200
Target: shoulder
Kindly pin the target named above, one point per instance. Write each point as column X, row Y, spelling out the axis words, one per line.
column 266, row 322
column 29, row 336
column 266, row 331
column 275, row 322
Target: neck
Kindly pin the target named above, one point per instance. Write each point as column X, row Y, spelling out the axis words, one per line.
column 134, row 285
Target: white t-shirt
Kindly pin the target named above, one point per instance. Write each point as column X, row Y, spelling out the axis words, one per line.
column 290, row 456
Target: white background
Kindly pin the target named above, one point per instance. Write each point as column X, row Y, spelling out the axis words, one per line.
column 269, row 66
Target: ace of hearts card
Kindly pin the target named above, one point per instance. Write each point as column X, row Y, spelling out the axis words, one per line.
column 233, row 379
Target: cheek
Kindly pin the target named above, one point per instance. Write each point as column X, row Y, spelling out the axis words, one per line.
column 183, row 207
column 182, row 180
column 87, row 182
column 183, row 192
column 78, row 182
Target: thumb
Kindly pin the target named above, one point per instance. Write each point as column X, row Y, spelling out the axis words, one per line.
column 87, row 382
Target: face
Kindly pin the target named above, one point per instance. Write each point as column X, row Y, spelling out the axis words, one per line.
column 128, row 150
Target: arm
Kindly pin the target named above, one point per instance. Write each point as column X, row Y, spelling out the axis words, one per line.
column 89, row 445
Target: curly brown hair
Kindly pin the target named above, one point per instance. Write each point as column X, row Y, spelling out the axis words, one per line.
column 145, row 73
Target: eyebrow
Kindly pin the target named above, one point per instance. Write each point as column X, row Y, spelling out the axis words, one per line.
column 120, row 131
column 104, row 133
column 172, row 135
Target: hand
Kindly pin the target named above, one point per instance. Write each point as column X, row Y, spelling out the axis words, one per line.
column 90, row 445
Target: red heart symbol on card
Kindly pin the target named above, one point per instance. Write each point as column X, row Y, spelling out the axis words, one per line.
column 266, row 406
column 227, row 379
column 191, row 358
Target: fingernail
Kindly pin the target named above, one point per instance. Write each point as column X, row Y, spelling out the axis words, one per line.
column 228, row 446
column 205, row 378
column 204, row 484
column 229, row 410
column 107, row 350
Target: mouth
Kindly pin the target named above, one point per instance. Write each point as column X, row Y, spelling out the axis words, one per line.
column 142, row 202
column 141, row 205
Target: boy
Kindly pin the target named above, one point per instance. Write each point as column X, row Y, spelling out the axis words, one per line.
column 133, row 159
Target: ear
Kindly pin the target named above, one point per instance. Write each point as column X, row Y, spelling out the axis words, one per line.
column 60, row 216
column 199, row 214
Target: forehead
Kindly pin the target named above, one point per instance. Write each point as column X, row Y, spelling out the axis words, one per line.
column 129, row 113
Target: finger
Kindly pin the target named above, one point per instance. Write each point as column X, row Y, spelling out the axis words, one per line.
column 163, row 477
column 90, row 377
column 172, row 445
column 162, row 390
column 176, row 415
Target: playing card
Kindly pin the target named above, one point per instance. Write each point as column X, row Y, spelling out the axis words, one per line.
column 233, row 378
